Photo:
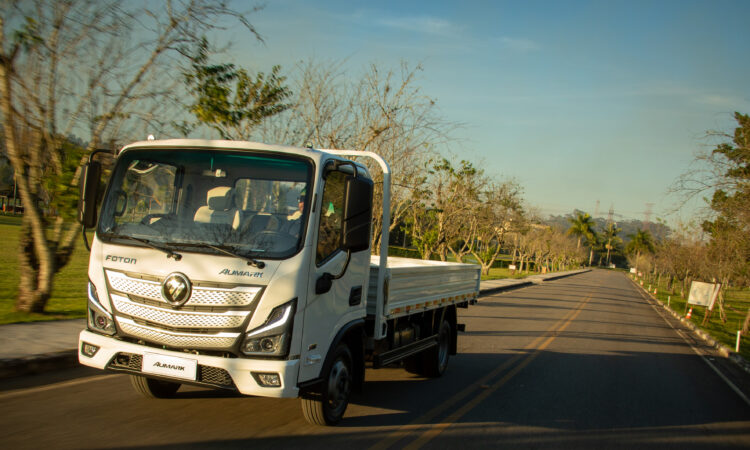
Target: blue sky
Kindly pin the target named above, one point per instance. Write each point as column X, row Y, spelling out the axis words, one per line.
column 579, row 101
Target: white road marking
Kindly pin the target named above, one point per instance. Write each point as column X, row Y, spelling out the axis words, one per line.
column 50, row 387
column 698, row 352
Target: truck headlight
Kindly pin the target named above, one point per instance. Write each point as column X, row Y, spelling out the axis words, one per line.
column 99, row 319
column 272, row 338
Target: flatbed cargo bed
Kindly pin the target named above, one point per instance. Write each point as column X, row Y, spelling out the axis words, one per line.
column 416, row 285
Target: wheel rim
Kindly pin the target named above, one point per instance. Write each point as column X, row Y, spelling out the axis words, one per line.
column 443, row 348
column 338, row 387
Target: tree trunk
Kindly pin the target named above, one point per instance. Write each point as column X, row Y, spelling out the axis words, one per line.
column 36, row 274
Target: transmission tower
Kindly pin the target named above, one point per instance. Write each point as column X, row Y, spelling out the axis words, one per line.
column 647, row 216
column 611, row 213
column 596, row 210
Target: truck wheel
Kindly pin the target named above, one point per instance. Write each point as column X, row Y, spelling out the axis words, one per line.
column 151, row 388
column 327, row 407
column 435, row 360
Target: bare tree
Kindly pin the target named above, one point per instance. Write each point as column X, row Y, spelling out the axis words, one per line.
column 383, row 111
column 94, row 69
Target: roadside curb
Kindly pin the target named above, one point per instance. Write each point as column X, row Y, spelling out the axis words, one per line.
column 29, row 365
column 557, row 277
column 509, row 287
column 524, row 282
column 723, row 350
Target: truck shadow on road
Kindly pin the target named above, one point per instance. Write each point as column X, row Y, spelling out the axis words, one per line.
column 578, row 392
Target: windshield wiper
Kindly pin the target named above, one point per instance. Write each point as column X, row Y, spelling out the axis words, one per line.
column 147, row 243
column 250, row 261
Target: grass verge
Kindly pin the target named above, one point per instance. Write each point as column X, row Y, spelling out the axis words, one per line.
column 736, row 304
column 68, row 299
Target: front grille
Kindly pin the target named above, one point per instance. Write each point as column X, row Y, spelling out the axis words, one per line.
column 220, row 340
column 206, row 374
column 211, row 319
column 178, row 319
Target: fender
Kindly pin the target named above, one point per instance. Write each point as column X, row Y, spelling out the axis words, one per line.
column 352, row 332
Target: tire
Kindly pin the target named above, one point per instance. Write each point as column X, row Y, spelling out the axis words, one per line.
column 435, row 360
column 327, row 406
column 151, row 388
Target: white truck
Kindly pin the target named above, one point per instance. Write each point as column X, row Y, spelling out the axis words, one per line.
column 246, row 266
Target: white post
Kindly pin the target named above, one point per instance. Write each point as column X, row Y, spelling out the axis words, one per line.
column 669, row 299
column 737, row 347
column 380, row 323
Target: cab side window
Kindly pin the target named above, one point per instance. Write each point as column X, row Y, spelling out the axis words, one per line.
column 330, row 226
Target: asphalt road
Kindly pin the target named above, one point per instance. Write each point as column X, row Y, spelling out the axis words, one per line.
column 581, row 362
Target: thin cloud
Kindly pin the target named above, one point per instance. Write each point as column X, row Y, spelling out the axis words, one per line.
column 420, row 24
column 520, row 45
column 722, row 101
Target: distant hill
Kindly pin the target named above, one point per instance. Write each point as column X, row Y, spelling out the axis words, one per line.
column 629, row 227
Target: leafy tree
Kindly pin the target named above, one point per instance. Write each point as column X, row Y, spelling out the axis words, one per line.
column 98, row 69
column 729, row 246
column 499, row 212
column 640, row 242
column 230, row 100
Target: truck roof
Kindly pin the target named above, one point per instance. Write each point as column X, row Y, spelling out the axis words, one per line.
column 202, row 144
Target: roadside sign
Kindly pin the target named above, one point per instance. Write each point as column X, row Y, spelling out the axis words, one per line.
column 632, row 270
column 703, row 294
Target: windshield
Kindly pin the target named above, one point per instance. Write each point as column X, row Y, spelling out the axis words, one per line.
column 253, row 204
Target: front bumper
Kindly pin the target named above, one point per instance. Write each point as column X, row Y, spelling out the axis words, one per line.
column 216, row 369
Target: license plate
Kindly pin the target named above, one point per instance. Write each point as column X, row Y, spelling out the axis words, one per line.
column 170, row 366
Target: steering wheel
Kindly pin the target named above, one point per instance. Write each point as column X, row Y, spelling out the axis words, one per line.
column 273, row 240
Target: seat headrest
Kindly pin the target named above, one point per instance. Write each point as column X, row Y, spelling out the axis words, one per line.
column 220, row 198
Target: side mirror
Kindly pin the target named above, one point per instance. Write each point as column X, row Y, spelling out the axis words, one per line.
column 357, row 217
column 89, row 189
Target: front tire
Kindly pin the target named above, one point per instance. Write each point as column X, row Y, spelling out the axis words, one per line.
column 327, row 406
column 150, row 388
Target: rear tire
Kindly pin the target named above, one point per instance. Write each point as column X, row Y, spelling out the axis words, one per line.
column 435, row 360
column 148, row 387
column 327, row 406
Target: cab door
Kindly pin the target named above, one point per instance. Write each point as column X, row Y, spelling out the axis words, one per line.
column 327, row 312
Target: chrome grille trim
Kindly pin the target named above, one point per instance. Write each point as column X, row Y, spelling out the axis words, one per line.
column 177, row 340
column 179, row 319
column 202, row 296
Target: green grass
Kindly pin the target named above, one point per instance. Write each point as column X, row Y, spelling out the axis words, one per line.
column 497, row 273
column 736, row 304
column 68, row 299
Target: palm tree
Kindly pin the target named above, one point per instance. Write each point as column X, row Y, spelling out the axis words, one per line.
column 583, row 226
column 640, row 242
column 610, row 236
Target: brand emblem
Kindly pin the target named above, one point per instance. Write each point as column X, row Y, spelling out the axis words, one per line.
column 176, row 289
